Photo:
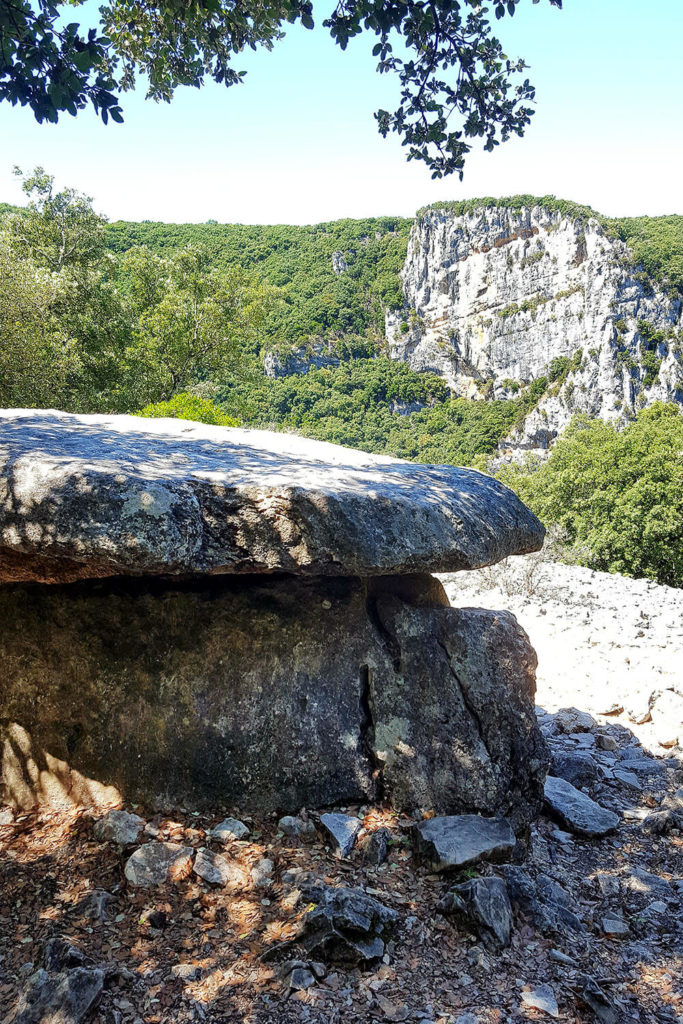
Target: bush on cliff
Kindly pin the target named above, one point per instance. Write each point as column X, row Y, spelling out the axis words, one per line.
column 618, row 495
column 186, row 406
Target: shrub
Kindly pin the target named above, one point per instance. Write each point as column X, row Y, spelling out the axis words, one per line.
column 186, row 406
column 618, row 495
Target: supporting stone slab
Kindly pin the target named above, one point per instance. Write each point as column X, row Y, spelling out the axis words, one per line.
column 267, row 693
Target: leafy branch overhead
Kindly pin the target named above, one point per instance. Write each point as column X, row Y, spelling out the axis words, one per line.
column 456, row 82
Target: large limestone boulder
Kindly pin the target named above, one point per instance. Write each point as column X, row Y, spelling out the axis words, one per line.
column 268, row 694
column 94, row 496
column 238, row 618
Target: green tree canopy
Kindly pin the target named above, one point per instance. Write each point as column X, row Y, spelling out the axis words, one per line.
column 617, row 494
column 447, row 60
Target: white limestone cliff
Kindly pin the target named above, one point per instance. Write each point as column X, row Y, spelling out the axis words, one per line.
column 494, row 296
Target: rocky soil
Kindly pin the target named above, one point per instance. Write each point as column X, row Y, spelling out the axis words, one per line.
column 331, row 918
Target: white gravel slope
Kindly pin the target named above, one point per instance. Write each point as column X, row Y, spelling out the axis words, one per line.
column 602, row 640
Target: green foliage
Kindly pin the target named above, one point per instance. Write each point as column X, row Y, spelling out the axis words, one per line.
column 618, row 495
column 551, row 204
column 186, row 406
column 315, row 301
column 448, row 62
column 51, row 68
column 358, row 403
column 57, row 229
column 657, row 246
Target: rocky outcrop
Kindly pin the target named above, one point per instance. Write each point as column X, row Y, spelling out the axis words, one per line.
column 241, row 640
column 495, row 296
column 96, row 496
column 229, row 691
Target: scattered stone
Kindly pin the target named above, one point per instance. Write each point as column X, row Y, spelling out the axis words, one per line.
column 561, row 958
column 576, row 810
column 301, row 978
column 629, row 779
column 575, row 766
column 375, row 846
column 484, row 905
column 595, row 998
column 609, row 884
column 660, row 823
column 467, row 1018
column 606, row 742
column 458, row 840
column 158, row 863
column 296, row 827
column 228, row 830
column 216, row 869
column 673, row 801
column 59, row 955
column 67, row 997
column 656, row 909
column 186, row 972
column 262, row 871
column 119, row 827
column 541, row 997
column 615, row 708
column 613, row 924
column 343, row 830
column 569, row 720
column 546, row 904
column 347, row 926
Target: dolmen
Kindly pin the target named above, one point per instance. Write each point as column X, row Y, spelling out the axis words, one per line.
column 206, row 616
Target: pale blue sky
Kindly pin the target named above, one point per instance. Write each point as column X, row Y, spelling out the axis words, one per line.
column 298, row 144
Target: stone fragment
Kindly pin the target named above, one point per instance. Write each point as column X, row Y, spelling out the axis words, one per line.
column 606, row 742
column 467, row 1018
column 114, row 495
column 614, row 924
column 575, row 766
column 119, row 827
column 569, row 720
column 301, row 978
column 608, row 884
column 262, row 871
column 541, row 997
column 547, row 905
column 455, row 742
column 295, row 826
column 673, row 801
column 228, row 830
column 483, row 904
column 59, row 955
column 629, row 779
column 375, row 846
column 660, row 823
column 595, row 998
column 459, row 840
column 576, row 810
column 158, row 863
column 343, row 831
column 346, row 926
column 67, row 997
column 216, row 869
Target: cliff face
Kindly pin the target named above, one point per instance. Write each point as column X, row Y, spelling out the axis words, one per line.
column 494, row 297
